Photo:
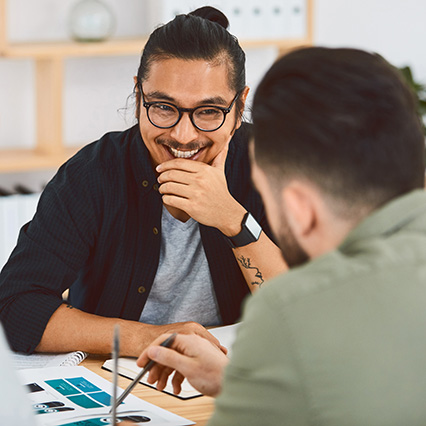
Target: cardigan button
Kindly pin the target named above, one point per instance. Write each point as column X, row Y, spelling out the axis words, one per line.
column 141, row 289
column 145, row 183
column 155, row 186
column 155, row 230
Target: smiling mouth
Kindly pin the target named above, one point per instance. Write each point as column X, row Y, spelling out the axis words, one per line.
column 183, row 154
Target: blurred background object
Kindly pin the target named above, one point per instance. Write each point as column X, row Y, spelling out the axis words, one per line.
column 91, row 21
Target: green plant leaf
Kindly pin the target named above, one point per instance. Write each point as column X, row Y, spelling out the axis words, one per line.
column 419, row 90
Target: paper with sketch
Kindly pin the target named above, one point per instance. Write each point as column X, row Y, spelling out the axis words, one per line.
column 127, row 366
column 77, row 396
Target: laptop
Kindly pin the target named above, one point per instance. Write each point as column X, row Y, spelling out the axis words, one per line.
column 15, row 406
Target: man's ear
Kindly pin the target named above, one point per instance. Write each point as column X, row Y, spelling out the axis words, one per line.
column 243, row 98
column 298, row 202
column 138, row 98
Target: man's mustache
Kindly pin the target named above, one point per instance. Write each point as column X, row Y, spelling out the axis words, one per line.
column 190, row 146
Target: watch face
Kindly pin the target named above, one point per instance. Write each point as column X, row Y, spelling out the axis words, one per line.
column 254, row 228
column 250, row 232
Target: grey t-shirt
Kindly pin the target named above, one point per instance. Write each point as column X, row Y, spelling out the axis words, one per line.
column 183, row 288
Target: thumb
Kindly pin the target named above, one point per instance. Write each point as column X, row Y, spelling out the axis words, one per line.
column 220, row 159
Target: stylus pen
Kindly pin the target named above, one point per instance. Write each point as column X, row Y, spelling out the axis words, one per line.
column 115, row 353
column 167, row 343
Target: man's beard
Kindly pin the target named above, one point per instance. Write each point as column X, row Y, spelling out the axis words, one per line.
column 292, row 252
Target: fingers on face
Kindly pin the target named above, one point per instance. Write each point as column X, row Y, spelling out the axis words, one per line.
column 173, row 188
column 220, row 159
column 180, row 164
column 175, row 176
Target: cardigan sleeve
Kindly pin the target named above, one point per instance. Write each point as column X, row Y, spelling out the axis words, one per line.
column 49, row 253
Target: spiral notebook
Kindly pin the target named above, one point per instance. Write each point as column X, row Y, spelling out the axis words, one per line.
column 41, row 360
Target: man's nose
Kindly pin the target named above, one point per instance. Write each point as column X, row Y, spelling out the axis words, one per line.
column 184, row 131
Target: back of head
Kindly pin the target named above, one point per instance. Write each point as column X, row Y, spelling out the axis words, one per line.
column 342, row 119
column 199, row 35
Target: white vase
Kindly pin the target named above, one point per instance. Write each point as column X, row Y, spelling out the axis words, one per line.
column 91, row 20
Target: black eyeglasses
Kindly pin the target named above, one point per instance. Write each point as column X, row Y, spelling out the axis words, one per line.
column 206, row 118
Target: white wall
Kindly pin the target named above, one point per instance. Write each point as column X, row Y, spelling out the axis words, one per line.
column 396, row 29
column 96, row 88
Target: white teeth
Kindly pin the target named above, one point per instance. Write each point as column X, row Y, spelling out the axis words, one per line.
column 183, row 154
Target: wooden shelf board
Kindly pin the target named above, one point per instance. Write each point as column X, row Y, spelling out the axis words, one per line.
column 72, row 48
column 279, row 44
column 115, row 47
column 18, row 160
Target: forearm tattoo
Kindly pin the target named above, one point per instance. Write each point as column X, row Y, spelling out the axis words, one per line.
column 245, row 262
column 70, row 306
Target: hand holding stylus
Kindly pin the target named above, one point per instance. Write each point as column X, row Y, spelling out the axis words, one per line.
column 168, row 342
column 193, row 357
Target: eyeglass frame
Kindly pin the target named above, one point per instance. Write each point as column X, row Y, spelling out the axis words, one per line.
column 180, row 110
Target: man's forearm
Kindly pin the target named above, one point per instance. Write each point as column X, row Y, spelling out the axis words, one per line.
column 260, row 261
column 70, row 329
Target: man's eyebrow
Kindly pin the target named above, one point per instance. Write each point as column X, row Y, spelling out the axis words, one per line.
column 156, row 94
column 214, row 100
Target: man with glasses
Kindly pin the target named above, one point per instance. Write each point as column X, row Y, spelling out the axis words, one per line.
column 157, row 228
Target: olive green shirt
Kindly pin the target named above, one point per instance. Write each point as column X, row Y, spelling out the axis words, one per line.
column 342, row 339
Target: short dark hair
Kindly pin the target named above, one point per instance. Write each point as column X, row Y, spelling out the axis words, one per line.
column 343, row 119
column 201, row 34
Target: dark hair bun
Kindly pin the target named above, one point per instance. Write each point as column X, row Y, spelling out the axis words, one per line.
column 212, row 14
